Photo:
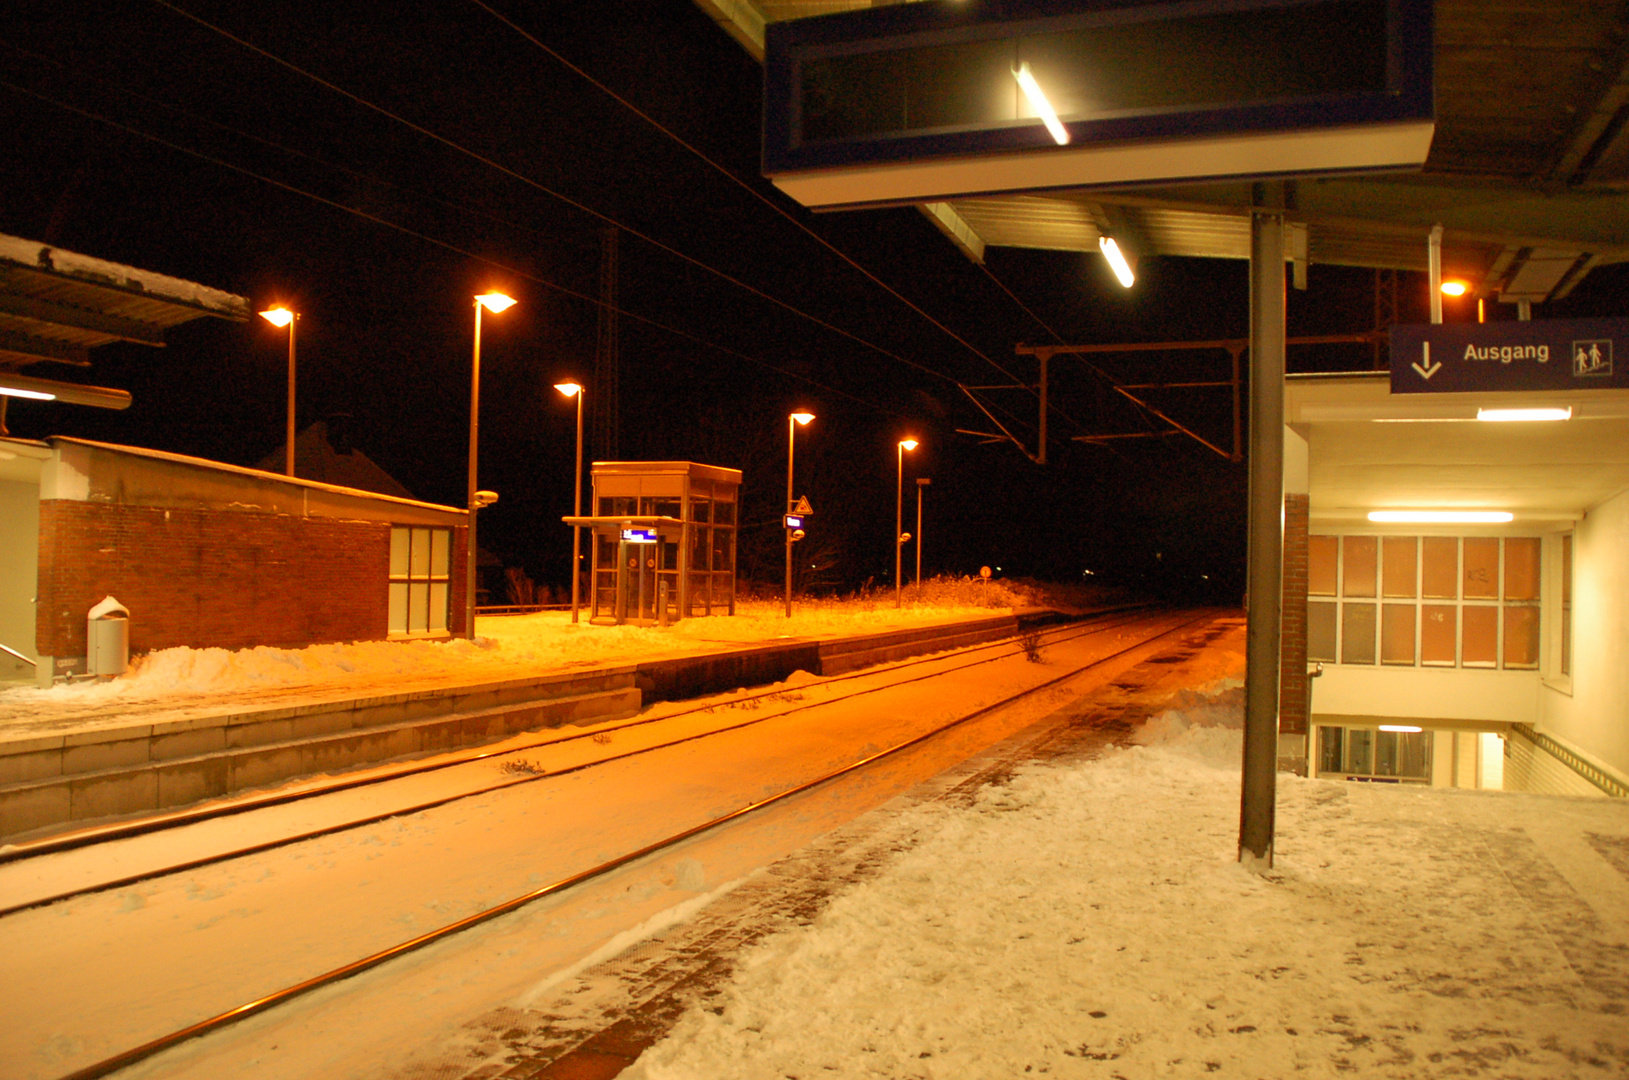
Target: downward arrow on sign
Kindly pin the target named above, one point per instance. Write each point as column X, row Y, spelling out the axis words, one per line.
column 1427, row 368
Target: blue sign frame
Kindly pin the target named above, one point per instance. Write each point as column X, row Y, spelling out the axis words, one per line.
column 1547, row 354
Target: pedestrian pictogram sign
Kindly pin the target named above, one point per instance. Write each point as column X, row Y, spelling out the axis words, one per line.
column 802, row 507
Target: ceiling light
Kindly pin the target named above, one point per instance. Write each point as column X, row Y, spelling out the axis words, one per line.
column 1406, row 728
column 1441, row 517
column 1455, row 288
column 1038, row 102
column 1563, row 412
column 1111, row 252
column 101, row 397
column 31, row 395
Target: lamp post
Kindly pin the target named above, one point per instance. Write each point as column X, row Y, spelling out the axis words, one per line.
column 793, row 422
column 493, row 302
column 899, row 517
column 575, row 390
column 921, row 482
column 279, row 315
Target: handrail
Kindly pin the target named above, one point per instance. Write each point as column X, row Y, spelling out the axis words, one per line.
column 29, row 660
column 1595, row 775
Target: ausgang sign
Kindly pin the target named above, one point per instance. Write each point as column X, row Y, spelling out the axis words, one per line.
column 1554, row 354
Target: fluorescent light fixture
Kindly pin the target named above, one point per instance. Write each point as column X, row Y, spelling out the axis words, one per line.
column 1406, row 728
column 1454, row 288
column 495, row 301
column 1038, row 102
column 1111, row 252
column 1563, row 412
column 31, row 395
column 102, row 397
column 802, row 417
column 278, row 316
column 1441, row 517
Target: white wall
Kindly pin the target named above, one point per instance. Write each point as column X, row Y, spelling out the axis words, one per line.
column 1595, row 716
column 19, row 571
column 1425, row 694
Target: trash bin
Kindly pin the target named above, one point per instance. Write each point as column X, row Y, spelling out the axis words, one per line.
column 107, row 638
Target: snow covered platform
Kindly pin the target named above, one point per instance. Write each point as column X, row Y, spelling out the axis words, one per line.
column 192, row 724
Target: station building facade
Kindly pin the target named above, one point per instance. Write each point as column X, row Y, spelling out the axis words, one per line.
column 206, row 554
column 1475, row 656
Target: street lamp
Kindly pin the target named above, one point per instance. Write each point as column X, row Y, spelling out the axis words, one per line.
column 921, row 482
column 575, row 390
column 793, row 422
column 282, row 316
column 899, row 516
column 493, row 302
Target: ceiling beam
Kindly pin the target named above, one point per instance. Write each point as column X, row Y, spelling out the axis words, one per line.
column 953, row 225
column 45, row 311
column 1600, row 132
column 30, row 349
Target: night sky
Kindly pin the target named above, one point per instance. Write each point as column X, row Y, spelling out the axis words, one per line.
column 447, row 154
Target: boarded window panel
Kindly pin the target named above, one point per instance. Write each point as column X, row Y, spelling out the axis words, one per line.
column 1357, row 633
column 418, row 607
column 1481, row 568
column 1481, row 644
column 1439, row 577
column 1522, row 568
column 1321, row 632
column 398, row 552
column 418, row 558
column 1521, row 636
column 1321, row 624
column 1397, row 634
column 1439, row 625
column 1321, row 577
column 398, row 607
column 1358, row 561
column 438, row 606
column 440, row 551
column 1397, row 563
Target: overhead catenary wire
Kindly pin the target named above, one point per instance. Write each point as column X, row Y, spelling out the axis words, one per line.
column 533, row 183
column 444, row 244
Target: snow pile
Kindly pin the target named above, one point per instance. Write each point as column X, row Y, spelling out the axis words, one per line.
column 505, row 647
column 1205, row 723
column 1092, row 921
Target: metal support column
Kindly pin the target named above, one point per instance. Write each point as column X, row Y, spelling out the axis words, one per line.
column 1266, row 552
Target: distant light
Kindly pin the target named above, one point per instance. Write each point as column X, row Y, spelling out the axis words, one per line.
column 1040, row 104
column 32, row 395
column 1563, row 412
column 908, row 444
column 802, row 417
column 1441, row 517
column 1405, row 728
column 495, row 301
column 1455, row 288
column 570, row 389
column 1111, row 252
column 278, row 316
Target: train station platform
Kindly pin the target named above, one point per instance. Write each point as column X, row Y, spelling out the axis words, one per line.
column 68, row 758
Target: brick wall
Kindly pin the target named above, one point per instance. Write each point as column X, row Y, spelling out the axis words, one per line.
column 220, row 578
column 1292, row 649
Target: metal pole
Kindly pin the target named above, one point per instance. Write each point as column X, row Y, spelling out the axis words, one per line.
column 899, row 520
column 1040, row 456
column 791, row 433
column 577, row 509
column 920, row 483
column 474, row 431
column 1266, row 520
column 288, row 461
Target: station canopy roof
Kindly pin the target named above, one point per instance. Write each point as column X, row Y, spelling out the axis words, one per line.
column 55, row 305
column 1528, row 172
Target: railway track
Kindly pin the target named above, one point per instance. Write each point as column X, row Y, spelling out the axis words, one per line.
column 774, row 705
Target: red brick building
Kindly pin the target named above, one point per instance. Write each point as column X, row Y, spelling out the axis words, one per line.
column 207, row 554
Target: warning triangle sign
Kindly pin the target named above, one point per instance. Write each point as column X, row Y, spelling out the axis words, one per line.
column 803, row 506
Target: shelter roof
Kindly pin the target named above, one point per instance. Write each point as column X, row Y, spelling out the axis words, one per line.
column 57, row 305
column 1528, row 172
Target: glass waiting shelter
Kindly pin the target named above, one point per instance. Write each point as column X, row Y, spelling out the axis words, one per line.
column 662, row 541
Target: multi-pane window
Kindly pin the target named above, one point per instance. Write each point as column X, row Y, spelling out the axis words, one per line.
column 1566, row 604
column 1375, row 754
column 419, row 559
column 1432, row 601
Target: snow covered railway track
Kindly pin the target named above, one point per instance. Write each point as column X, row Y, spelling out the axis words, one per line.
column 1139, row 635
column 515, row 770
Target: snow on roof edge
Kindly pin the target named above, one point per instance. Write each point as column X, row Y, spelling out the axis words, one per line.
column 33, row 255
